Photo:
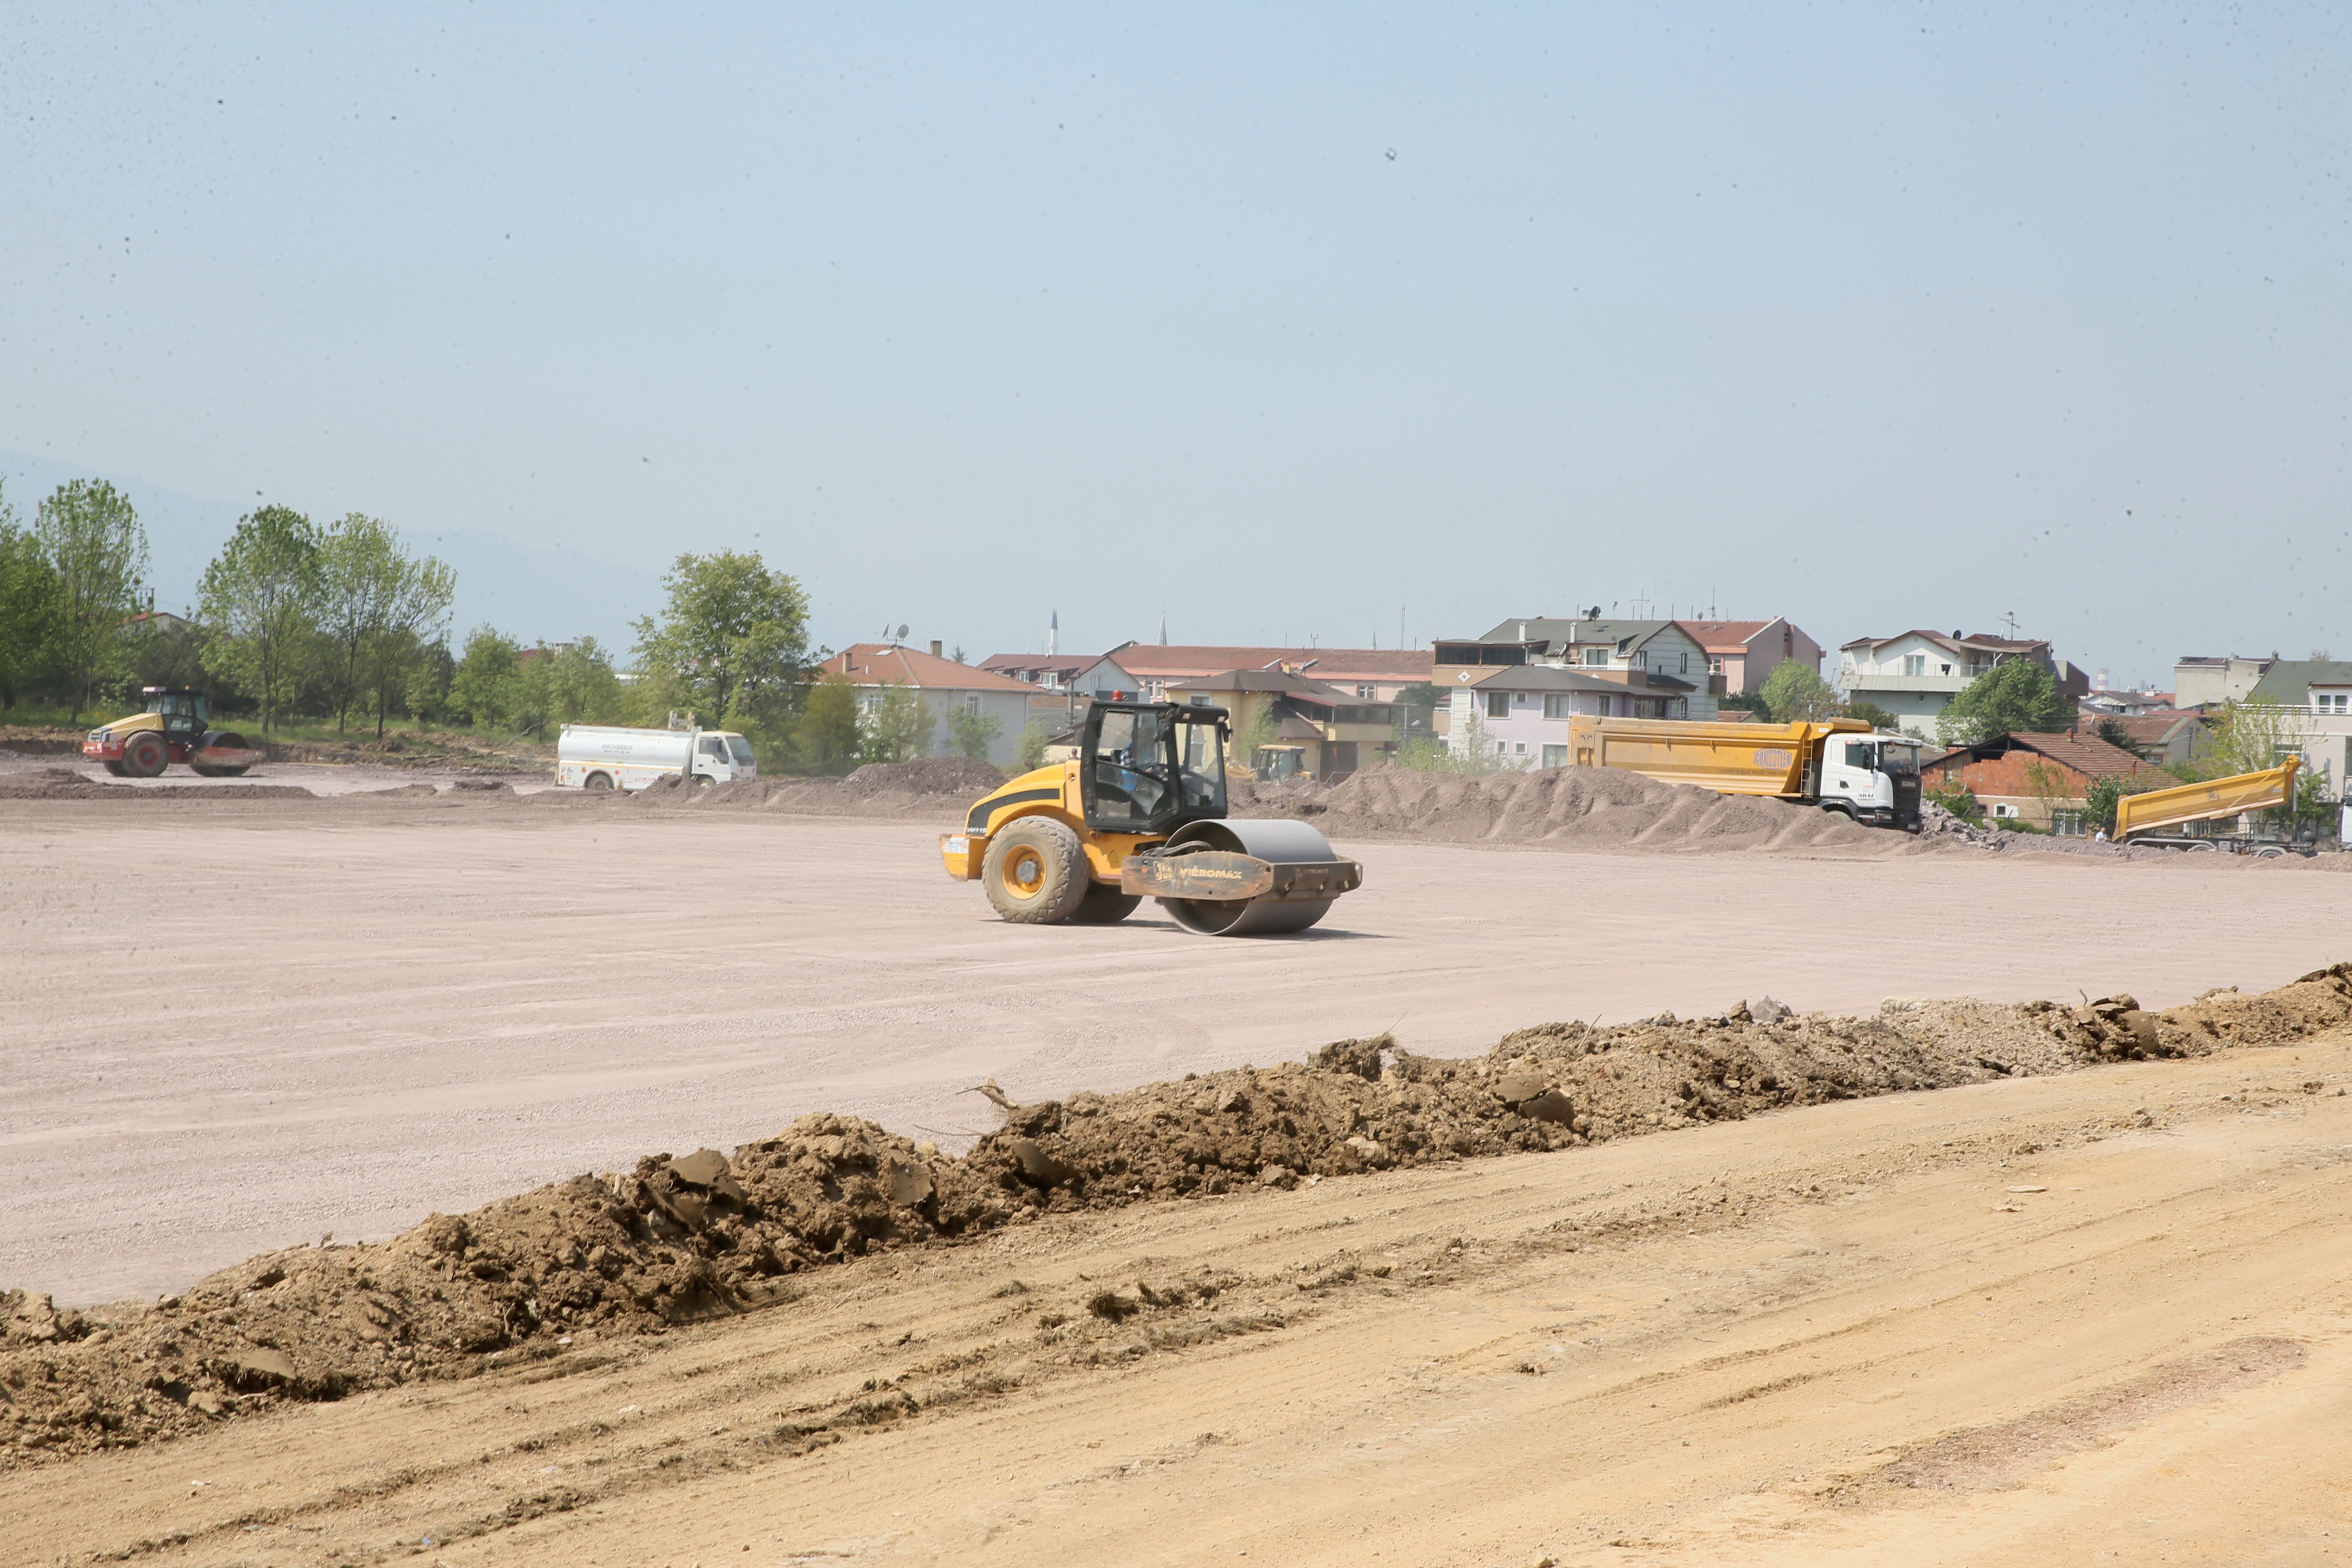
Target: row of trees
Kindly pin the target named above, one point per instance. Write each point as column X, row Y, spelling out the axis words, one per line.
column 294, row 619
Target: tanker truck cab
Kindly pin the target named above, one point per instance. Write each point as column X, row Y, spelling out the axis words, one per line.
column 1871, row 778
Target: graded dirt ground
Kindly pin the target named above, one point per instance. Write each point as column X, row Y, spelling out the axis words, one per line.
column 2087, row 1318
column 231, row 1025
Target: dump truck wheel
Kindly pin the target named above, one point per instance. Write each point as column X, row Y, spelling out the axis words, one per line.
column 145, row 756
column 1104, row 906
column 1036, row 872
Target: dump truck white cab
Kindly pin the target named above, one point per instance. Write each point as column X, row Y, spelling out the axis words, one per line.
column 613, row 756
column 1872, row 779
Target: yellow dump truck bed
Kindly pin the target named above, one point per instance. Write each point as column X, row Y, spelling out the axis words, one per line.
column 1730, row 759
column 2184, row 804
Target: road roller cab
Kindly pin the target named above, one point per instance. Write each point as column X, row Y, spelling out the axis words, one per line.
column 1140, row 812
column 171, row 730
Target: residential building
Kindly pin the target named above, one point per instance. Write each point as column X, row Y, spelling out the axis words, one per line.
column 2164, row 739
column 1653, row 660
column 1520, row 713
column 2039, row 779
column 1370, row 675
column 2317, row 695
column 1916, row 675
column 1098, row 677
column 2201, row 680
column 1316, row 728
column 945, row 686
column 2100, row 700
column 1746, row 652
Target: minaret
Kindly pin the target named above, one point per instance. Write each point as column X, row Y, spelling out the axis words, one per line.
column 1053, row 635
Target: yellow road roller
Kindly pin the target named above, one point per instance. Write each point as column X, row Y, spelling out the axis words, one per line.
column 1140, row 813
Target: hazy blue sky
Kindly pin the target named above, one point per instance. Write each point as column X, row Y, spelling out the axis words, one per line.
column 1275, row 317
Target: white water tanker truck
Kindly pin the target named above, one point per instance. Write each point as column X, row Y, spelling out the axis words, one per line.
column 612, row 756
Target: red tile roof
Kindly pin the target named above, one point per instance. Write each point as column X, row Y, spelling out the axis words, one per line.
column 1160, row 661
column 879, row 664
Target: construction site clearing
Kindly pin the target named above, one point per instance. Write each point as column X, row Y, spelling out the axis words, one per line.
column 1932, row 1281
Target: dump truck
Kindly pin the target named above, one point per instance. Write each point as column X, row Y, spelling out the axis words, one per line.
column 615, row 756
column 174, row 729
column 1838, row 764
column 1139, row 812
column 2144, row 818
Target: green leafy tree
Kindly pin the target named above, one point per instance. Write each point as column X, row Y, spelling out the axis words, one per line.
column 732, row 635
column 2014, row 696
column 486, row 687
column 376, row 603
column 1871, row 714
column 2113, row 732
column 2249, row 737
column 256, row 603
column 824, row 733
column 32, row 609
column 572, row 684
column 972, row 733
column 91, row 539
column 898, row 726
column 1955, row 798
column 1029, row 748
column 1795, row 690
column 415, row 626
column 424, row 679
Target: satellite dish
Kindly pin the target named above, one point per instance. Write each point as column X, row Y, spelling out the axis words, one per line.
column 902, row 631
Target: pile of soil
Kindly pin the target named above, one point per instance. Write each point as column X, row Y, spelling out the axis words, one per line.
column 926, row 788
column 64, row 783
column 40, row 741
column 1596, row 808
column 680, row 1240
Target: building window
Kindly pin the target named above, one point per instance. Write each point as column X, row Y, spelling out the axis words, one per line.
column 1501, row 746
column 1555, row 756
column 1604, row 708
column 1686, row 669
column 1916, row 664
column 1498, row 705
column 1367, row 690
column 1715, row 667
column 1559, row 704
column 1598, row 658
column 1522, row 748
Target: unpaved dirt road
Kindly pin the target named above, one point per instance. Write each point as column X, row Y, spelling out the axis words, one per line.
column 232, row 1028
column 2099, row 1318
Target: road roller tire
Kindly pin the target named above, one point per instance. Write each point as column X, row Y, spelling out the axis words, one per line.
column 201, row 770
column 1034, row 872
column 145, row 756
column 1104, row 906
column 1274, row 840
column 114, row 768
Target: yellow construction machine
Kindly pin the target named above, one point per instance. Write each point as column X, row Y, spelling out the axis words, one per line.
column 173, row 730
column 2143, row 818
column 1139, row 812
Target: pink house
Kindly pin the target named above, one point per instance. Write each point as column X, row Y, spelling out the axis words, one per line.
column 1745, row 652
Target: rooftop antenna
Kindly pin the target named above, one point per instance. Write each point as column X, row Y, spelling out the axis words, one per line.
column 1399, row 624
column 2011, row 617
column 902, row 631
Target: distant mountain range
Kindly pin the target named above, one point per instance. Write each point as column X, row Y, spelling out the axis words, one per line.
column 530, row 592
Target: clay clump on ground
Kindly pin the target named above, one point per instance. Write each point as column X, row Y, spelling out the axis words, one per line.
column 686, row 1238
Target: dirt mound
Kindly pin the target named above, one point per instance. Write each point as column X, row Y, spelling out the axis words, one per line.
column 48, row 783
column 967, row 778
column 1594, row 809
column 926, row 788
column 64, row 783
column 682, row 1239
